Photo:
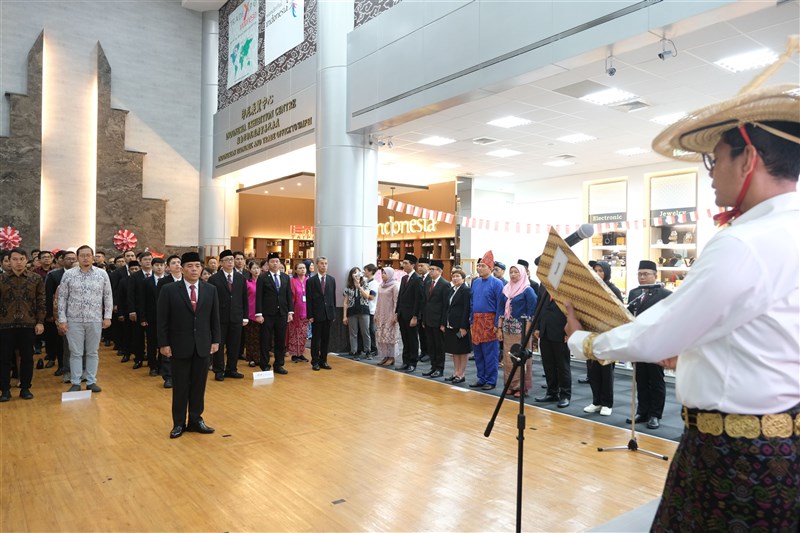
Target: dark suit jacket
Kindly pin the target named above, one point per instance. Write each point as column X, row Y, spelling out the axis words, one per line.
column 233, row 303
column 166, row 280
column 135, row 282
column 51, row 283
column 245, row 273
column 115, row 278
column 459, row 309
column 551, row 321
column 638, row 304
column 121, row 299
column 410, row 298
column 435, row 305
column 271, row 301
column 320, row 306
column 184, row 330
column 147, row 299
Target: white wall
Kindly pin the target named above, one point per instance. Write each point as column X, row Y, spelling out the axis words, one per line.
column 154, row 51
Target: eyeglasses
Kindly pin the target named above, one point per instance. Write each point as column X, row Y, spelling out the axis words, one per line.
column 709, row 161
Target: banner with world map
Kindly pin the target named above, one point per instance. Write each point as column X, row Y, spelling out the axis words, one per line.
column 283, row 27
column 243, row 42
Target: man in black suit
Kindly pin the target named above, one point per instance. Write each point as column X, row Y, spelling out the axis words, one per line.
column 274, row 310
column 409, row 311
column 119, row 317
column 126, row 312
column 135, row 282
column 233, row 306
column 240, row 265
column 423, row 271
column 188, row 333
column 55, row 343
column 175, row 273
column 437, row 296
column 321, row 305
column 146, row 312
column 549, row 331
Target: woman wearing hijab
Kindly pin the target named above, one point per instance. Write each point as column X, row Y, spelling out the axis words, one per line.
column 297, row 331
column 601, row 377
column 519, row 302
column 386, row 328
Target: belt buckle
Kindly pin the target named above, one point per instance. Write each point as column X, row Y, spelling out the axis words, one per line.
column 747, row 426
column 711, row 423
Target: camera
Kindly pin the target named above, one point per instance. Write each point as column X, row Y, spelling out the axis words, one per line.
column 666, row 54
column 611, row 71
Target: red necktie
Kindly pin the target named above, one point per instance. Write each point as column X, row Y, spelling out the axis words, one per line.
column 230, row 282
column 322, row 283
column 193, row 297
column 430, row 291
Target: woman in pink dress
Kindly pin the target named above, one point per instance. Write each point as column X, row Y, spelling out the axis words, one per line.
column 252, row 331
column 387, row 331
column 297, row 330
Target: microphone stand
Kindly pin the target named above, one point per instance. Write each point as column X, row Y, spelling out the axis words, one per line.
column 520, row 355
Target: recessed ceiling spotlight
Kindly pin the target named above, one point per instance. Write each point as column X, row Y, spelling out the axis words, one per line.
column 608, row 97
column 666, row 120
column 559, row 163
column 503, row 152
column 436, row 141
column 509, row 122
column 633, row 151
column 446, row 165
column 748, row 60
column 500, row 174
column 576, row 138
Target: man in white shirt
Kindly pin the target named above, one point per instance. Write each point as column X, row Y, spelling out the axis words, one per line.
column 734, row 325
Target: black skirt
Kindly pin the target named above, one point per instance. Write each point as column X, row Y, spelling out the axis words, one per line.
column 456, row 345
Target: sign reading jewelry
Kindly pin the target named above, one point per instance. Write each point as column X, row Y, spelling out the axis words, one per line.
column 283, row 27
column 242, row 42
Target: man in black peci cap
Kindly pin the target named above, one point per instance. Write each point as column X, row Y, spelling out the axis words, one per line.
column 410, row 300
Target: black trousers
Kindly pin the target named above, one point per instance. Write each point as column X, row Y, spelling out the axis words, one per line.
column 435, row 341
column 189, row 375
column 410, row 339
column 151, row 335
column 423, row 341
column 372, row 331
column 320, row 339
column 651, row 392
column 137, row 340
column 273, row 330
column 601, row 380
column 557, row 373
column 11, row 340
column 230, row 342
column 54, row 343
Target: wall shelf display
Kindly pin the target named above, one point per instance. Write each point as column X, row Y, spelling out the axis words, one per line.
column 608, row 205
column 673, row 246
column 388, row 252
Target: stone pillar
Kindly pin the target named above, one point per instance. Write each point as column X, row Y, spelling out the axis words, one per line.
column 219, row 211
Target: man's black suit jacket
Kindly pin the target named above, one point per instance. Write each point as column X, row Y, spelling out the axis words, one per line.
column 233, row 304
column 184, row 330
column 147, row 299
column 410, row 298
column 321, row 306
column 637, row 304
column 272, row 301
column 135, row 294
column 551, row 321
column 51, row 283
column 459, row 308
column 435, row 305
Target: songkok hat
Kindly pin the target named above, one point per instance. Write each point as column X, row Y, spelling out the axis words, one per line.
column 190, row 257
column 424, row 261
column 273, row 255
column 647, row 265
column 524, row 263
column 411, row 258
column 224, row 254
column 701, row 130
column 593, row 263
column 500, row 265
column 134, row 263
column 488, row 259
column 437, row 263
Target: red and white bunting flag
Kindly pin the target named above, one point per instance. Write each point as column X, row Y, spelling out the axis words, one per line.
column 497, row 225
column 448, row 218
column 708, row 213
column 390, row 204
column 568, row 229
column 400, row 207
column 409, row 209
column 424, row 212
column 380, row 200
column 519, row 227
column 693, row 216
column 626, row 224
column 538, row 228
column 439, row 216
column 507, row 227
column 417, row 211
column 682, row 218
column 530, row 228
column 636, row 224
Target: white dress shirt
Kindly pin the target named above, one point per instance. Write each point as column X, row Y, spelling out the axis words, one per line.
column 735, row 321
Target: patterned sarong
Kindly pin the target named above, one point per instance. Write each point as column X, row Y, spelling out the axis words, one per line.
column 483, row 328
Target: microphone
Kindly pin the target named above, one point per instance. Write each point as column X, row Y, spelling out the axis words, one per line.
column 584, row 232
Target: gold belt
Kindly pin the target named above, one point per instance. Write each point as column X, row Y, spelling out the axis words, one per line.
column 781, row 425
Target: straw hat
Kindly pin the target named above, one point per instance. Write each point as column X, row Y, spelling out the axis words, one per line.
column 700, row 131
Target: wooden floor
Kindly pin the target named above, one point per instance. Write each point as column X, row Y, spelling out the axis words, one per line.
column 353, row 449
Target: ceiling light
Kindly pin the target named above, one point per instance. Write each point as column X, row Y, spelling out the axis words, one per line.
column 608, row 97
column 748, row 60
column 282, row 188
column 299, row 184
column 576, row 138
column 503, row 152
column 666, row 120
column 633, row 151
column 436, row 141
column 559, row 163
column 500, row 174
column 266, row 192
column 446, row 165
column 509, row 122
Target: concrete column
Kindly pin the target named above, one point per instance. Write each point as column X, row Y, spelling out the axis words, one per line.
column 219, row 213
column 346, row 212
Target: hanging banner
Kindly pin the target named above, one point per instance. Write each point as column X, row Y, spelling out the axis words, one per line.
column 283, row 27
column 242, row 42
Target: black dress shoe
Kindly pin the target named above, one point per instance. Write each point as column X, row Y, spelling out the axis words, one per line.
column 411, row 369
column 39, row 364
column 653, row 423
column 219, row 376
column 488, row 386
column 199, row 426
column 59, row 372
column 234, row 374
column 326, row 366
column 404, row 367
column 25, row 394
column 295, row 359
column 125, row 359
column 167, row 383
column 428, row 373
column 176, row 432
column 584, row 379
column 436, row 374
column 476, row 385
column 458, row 380
column 137, row 364
column 548, row 398
column 563, row 403
column 50, row 363
column 153, row 372
column 640, row 419
column 315, row 367
column 281, row 370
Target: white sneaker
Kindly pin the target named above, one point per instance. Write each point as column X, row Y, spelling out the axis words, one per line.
column 605, row 411
column 591, row 408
